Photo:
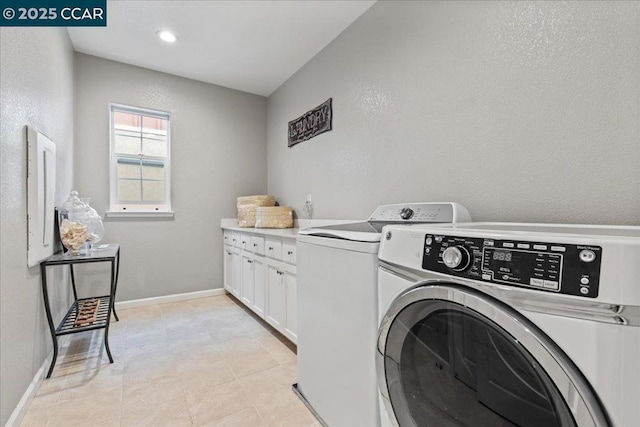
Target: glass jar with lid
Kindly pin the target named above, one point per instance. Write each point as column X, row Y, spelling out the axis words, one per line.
column 79, row 224
column 96, row 227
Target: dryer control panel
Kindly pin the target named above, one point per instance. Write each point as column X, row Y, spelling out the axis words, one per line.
column 562, row 268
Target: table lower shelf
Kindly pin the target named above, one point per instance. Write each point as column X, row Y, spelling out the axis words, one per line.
column 68, row 323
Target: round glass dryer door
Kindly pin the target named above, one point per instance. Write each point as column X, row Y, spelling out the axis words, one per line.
column 451, row 356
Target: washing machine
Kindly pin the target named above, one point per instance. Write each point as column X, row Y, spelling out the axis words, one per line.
column 501, row 324
column 338, row 311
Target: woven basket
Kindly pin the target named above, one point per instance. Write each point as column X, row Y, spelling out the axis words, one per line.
column 274, row 217
column 247, row 208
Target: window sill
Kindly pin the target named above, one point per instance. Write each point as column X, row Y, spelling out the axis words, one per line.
column 139, row 214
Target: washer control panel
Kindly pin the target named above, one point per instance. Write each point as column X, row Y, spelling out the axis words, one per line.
column 562, row 268
column 414, row 213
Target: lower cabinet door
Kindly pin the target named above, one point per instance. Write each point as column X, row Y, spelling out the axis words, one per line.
column 291, row 289
column 247, row 280
column 236, row 273
column 228, row 268
column 264, row 283
column 259, row 285
column 276, row 310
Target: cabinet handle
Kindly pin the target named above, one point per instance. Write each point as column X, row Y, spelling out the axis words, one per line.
column 270, row 248
column 249, row 261
column 255, row 245
column 289, row 252
column 228, row 253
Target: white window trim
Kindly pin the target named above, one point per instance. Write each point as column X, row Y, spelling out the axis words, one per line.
column 133, row 210
column 140, row 214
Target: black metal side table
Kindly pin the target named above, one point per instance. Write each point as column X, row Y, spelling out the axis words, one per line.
column 106, row 306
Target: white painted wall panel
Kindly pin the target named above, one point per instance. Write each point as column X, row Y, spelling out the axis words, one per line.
column 218, row 153
column 521, row 111
column 36, row 89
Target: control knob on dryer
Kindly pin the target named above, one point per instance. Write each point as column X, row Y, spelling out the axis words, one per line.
column 406, row 213
column 456, row 258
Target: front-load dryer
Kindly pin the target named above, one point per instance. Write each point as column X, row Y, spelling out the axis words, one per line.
column 498, row 324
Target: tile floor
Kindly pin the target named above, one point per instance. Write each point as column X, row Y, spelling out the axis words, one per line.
column 205, row 362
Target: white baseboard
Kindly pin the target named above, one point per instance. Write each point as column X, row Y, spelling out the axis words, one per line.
column 169, row 298
column 21, row 409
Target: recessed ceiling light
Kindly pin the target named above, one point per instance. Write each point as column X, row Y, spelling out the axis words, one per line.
column 167, row 36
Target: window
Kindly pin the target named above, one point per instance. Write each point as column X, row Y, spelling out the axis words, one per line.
column 140, row 160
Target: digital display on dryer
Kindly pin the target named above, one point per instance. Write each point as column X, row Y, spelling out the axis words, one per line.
column 502, row 256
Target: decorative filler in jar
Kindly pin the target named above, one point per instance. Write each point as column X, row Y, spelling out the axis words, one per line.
column 74, row 235
column 80, row 225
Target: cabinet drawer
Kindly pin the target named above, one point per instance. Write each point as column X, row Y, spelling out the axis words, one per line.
column 257, row 245
column 273, row 248
column 245, row 242
column 227, row 237
column 289, row 252
column 235, row 239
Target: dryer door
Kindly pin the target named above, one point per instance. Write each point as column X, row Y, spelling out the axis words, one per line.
column 448, row 355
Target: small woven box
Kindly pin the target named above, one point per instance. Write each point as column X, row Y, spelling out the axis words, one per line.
column 274, row 217
column 247, row 208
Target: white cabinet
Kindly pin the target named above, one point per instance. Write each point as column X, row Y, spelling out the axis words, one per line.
column 273, row 248
column 248, row 280
column 228, row 267
column 259, row 284
column 236, row 272
column 291, row 303
column 289, row 252
column 282, row 295
column 245, row 242
column 275, row 310
column 227, row 237
column 260, row 271
column 257, row 245
column 253, row 293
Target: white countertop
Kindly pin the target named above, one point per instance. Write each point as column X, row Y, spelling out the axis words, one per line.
column 286, row 233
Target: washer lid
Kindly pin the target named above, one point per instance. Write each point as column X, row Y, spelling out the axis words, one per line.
column 405, row 214
column 356, row 231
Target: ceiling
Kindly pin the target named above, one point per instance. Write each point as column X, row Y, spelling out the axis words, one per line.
column 253, row 46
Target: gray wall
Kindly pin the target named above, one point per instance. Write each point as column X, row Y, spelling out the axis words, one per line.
column 36, row 89
column 520, row 111
column 218, row 151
